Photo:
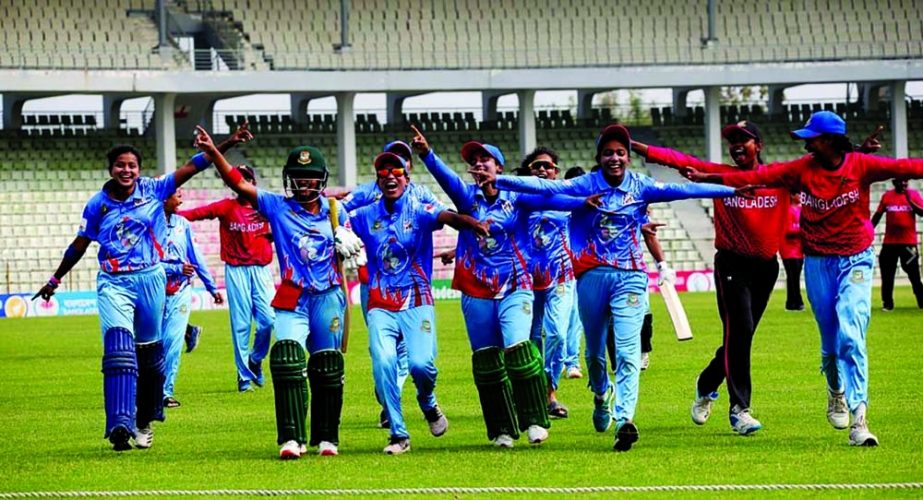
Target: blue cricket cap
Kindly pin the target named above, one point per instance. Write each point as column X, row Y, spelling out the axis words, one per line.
column 821, row 122
column 399, row 148
column 473, row 147
column 388, row 158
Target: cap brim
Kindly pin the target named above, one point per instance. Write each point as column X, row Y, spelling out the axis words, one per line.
column 804, row 133
column 389, row 158
column 730, row 129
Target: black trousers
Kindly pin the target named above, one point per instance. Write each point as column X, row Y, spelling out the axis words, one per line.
column 743, row 285
column 793, row 299
column 909, row 257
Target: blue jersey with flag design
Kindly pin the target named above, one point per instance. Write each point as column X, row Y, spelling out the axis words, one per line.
column 179, row 247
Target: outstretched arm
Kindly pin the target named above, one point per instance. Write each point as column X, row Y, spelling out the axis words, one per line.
column 198, row 163
column 229, row 174
column 579, row 187
column 658, row 192
column 72, row 256
column 450, row 182
column 677, row 159
column 462, row 222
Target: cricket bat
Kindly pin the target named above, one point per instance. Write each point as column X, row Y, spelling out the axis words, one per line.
column 677, row 313
column 334, row 223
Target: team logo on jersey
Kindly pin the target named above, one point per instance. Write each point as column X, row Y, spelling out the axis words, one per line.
column 104, row 209
column 608, row 226
column 394, row 257
column 506, row 206
column 559, row 290
column 408, row 226
column 628, row 199
column 493, row 244
column 312, row 246
column 128, row 231
column 633, row 300
column 376, row 226
column 858, row 276
column 543, row 232
column 527, row 308
column 304, row 158
column 335, row 324
column 426, row 326
column 183, row 309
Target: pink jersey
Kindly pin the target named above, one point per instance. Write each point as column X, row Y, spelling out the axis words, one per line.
column 900, row 221
column 746, row 226
column 245, row 236
column 835, row 217
column 790, row 247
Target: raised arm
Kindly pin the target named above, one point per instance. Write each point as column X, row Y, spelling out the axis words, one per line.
column 229, row 174
column 451, row 183
column 776, row 175
column 199, row 163
column 72, row 256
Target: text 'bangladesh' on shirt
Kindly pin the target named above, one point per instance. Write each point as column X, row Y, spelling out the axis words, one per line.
column 399, row 245
column 129, row 231
column 304, row 241
column 900, row 220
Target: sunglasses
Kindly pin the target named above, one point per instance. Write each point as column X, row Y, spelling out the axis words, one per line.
column 543, row 164
column 397, row 171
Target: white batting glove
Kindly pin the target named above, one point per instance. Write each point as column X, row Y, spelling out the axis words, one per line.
column 665, row 274
column 346, row 241
column 361, row 258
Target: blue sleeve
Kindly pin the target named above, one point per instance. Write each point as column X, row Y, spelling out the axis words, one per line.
column 428, row 215
column 363, row 195
column 537, row 202
column 580, row 186
column 267, row 202
column 197, row 259
column 163, row 186
column 425, row 195
column 343, row 216
column 89, row 222
column 357, row 221
column 656, row 192
column 458, row 190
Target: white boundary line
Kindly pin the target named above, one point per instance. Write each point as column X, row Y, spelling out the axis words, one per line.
column 467, row 491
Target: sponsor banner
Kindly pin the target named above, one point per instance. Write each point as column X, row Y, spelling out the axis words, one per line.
column 21, row 305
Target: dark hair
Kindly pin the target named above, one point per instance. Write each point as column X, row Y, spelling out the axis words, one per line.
column 522, row 171
column 596, row 167
column 119, row 150
column 575, row 171
column 840, row 143
column 541, row 150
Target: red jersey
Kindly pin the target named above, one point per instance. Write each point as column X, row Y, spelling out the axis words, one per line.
column 790, row 247
column 745, row 226
column 900, row 221
column 246, row 239
column 834, row 203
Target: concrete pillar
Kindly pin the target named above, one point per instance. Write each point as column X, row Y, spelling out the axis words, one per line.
column 112, row 106
column 899, row 119
column 489, row 105
column 527, row 139
column 394, row 110
column 679, row 101
column 585, row 103
column 776, row 100
column 870, row 95
column 346, row 140
column 190, row 110
column 713, row 124
column 12, row 110
column 299, row 106
column 165, row 129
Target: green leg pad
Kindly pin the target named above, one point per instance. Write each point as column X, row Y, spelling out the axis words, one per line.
column 530, row 385
column 495, row 392
column 289, row 383
column 326, row 372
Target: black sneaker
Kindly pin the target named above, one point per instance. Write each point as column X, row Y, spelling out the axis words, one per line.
column 257, row 369
column 625, row 436
column 119, row 437
column 170, row 402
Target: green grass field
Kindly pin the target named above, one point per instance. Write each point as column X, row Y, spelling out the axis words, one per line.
column 51, row 417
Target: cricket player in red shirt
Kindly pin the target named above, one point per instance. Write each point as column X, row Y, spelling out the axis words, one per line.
column 901, row 205
column 837, row 239
column 246, row 250
column 792, row 255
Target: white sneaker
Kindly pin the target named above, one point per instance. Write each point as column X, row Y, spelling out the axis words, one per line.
column 743, row 423
column 327, row 449
column 645, row 360
column 503, row 441
column 837, row 412
column 291, row 450
column 438, row 424
column 859, row 434
column 574, row 372
column 398, row 446
column 537, row 434
column 701, row 406
column 144, row 438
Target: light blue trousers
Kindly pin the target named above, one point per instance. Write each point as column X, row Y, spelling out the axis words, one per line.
column 250, row 291
column 402, row 371
column 499, row 323
column 175, row 318
column 134, row 301
column 574, row 334
column 840, row 291
column 605, row 293
column 415, row 329
column 551, row 314
column 316, row 322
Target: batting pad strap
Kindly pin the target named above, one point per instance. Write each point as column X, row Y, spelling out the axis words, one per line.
column 290, row 387
column 530, row 386
column 120, row 378
column 495, row 392
column 326, row 370
column 151, row 377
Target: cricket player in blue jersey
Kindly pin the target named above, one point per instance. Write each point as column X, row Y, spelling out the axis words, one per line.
column 367, row 194
column 611, row 276
column 309, row 304
column 398, row 231
column 553, row 278
column 126, row 217
column 182, row 261
column 491, row 272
